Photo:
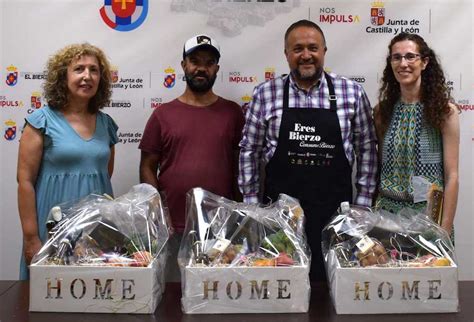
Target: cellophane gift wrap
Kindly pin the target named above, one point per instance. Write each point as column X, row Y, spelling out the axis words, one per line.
column 380, row 262
column 241, row 258
column 103, row 255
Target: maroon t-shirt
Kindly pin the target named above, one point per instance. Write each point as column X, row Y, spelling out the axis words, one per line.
column 196, row 146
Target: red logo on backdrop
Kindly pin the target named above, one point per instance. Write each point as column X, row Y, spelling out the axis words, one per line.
column 12, row 75
column 124, row 8
column 245, row 102
column 269, row 73
column 124, row 15
column 35, row 100
column 10, row 130
column 114, row 73
column 170, row 78
column 377, row 13
column 169, row 81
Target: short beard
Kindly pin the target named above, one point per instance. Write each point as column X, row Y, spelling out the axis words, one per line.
column 198, row 86
column 313, row 77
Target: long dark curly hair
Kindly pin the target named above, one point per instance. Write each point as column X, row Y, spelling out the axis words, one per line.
column 55, row 87
column 434, row 96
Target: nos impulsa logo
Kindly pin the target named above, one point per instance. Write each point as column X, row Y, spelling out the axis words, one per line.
column 330, row 15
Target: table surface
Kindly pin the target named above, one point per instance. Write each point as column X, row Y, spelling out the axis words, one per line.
column 14, row 301
column 5, row 286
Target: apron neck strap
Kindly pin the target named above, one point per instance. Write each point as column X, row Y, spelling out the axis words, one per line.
column 332, row 94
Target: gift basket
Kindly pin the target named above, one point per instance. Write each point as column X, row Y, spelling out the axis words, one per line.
column 380, row 262
column 241, row 258
column 103, row 255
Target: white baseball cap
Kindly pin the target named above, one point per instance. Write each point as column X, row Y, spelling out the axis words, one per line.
column 201, row 41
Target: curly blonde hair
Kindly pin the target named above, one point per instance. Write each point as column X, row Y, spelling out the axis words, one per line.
column 55, row 87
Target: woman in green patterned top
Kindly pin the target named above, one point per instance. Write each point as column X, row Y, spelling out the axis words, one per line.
column 417, row 127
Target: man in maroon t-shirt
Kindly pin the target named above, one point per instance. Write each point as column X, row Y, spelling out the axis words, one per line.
column 192, row 140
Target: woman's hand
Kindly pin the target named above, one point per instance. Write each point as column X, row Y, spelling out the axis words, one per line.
column 451, row 133
column 29, row 160
column 31, row 246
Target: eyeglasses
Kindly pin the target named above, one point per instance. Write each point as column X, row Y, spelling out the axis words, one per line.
column 409, row 57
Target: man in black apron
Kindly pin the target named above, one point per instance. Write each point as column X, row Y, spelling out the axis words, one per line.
column 316, row 171
column 309, row 161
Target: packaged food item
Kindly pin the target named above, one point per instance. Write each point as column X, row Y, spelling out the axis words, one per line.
column 424, row 190
column 380, row 262
column 130, row 230
column 221, row 232
column 243, row 258
column 435, row 203
column 363, row 237
column 103, row 255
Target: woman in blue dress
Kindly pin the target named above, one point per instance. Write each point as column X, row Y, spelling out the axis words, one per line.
column 67, row 148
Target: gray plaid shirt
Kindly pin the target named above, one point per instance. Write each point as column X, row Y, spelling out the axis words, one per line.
column 263, row 118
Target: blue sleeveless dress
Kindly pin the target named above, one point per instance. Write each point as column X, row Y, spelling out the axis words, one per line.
column 71, row 167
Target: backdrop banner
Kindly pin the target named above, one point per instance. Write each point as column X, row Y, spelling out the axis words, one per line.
column 144, row 41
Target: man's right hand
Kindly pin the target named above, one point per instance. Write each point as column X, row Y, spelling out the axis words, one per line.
column 149, row 163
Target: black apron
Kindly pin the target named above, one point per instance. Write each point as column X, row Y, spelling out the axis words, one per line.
column 310, row 164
